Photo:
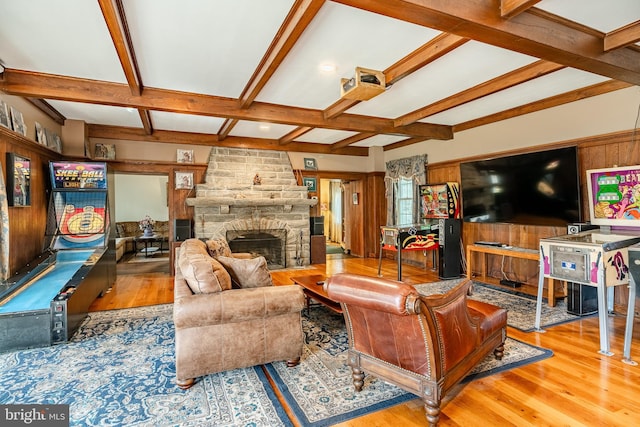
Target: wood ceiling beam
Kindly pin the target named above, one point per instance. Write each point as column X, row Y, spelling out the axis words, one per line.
column 299, row 17
column 505, row 81
column 115, row 19
column 351, row 140
column 510, row 8
column 48, row 109
column 554, row 101
column 565, row 98
column 531, row 32
column 145, row 118
column 40, row 85
column 192, row 138
column 425, row 54
column 226, row 128
column 403, row 143
column 624, row 36
column 291, row 136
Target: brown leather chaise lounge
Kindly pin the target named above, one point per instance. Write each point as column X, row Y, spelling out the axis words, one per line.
column 423, row 344
column 218, row 328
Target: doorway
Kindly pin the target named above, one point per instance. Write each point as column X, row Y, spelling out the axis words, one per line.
column 136, row 197
column 331, row 207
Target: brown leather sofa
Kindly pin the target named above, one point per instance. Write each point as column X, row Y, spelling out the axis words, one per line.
column 219, row 327
column 423, row 344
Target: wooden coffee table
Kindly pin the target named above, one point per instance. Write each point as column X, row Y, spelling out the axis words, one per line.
column 312, row 290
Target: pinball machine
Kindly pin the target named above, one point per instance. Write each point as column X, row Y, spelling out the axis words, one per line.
column 601, row 257
column 45, row 302
column 438, row 231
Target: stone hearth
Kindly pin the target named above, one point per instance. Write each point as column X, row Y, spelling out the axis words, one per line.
column 253, row 190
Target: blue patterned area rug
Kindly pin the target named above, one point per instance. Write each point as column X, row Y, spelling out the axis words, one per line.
column 119, row 370
column 521, row 309
column 320, row 390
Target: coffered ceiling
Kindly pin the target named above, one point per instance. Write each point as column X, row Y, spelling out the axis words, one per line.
column 267, row 74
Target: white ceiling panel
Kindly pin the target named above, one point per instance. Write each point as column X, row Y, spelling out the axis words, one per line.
column 261, row 129
column 325, row 136
column 202, row 46
column 472, row 64
column 213, row 47
column 59, row 37
column 379, row 141
column 602, row 15
column 550, row 85
column 347, row 38
column 185, row 122
column 98, row 114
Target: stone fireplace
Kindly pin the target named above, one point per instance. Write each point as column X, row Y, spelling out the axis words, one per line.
column 254, row 193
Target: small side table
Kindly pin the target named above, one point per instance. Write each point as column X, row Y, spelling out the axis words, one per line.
column 147, row 240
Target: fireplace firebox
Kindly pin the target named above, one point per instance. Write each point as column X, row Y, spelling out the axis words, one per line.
column 271, row 244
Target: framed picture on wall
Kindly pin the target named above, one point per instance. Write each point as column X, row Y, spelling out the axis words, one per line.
column 310, row 183
column 310, row 164
column 41, row 136
column 17, row 122
column 4, row 115
column 104, row 151
column 184, row 180
column 185, row 156
column 18, row 180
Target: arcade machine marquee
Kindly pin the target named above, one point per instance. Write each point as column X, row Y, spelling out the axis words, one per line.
column 48, row 299
column 600, row 257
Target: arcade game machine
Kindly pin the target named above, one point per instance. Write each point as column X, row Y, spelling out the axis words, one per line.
column 439, row 208
column 46, row 301
column 598, row 258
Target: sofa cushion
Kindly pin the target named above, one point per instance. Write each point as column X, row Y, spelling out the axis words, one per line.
column 202, row 273
column 247, row 273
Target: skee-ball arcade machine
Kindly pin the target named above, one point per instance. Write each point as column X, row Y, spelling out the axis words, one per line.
column 46, row 301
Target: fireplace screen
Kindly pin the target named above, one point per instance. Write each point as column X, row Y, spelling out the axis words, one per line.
column 270, row 244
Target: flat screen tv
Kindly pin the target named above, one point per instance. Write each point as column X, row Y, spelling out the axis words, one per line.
column 540, row 188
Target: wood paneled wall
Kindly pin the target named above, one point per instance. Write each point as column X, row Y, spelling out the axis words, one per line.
column 616, row 149
column 27, row 224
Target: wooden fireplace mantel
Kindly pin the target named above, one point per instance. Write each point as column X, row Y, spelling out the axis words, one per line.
column 243, row 202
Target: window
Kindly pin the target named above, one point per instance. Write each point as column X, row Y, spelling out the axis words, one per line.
column 405, row 191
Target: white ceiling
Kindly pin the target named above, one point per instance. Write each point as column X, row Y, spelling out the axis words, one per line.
column 213, row 47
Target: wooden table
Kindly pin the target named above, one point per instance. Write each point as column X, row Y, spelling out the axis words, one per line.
column 522, row 253
column 148, row 240
column 312, row 290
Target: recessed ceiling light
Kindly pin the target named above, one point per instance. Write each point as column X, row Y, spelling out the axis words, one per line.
column 264, row 127
column 327, row 67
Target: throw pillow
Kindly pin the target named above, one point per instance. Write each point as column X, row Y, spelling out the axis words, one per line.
column 203, row 274
column 120, row 230
column 218, row 247
column 247, row 273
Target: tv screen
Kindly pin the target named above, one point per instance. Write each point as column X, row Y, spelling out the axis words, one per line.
column 541, row 188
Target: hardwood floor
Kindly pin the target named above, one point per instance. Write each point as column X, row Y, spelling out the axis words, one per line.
column 575, row 387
